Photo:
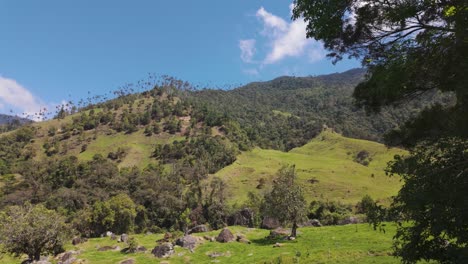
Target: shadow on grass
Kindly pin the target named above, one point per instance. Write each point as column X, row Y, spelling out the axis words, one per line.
column 267, row 241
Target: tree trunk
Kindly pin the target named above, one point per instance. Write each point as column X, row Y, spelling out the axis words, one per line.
column 294, row 229
column 37, row 256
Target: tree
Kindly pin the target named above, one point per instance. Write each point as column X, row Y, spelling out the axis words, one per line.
column 411, row 48
column 434, row 198
column 286, row 200
column 32, row 230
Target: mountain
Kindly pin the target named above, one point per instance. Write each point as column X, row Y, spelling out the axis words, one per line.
column 289, row 111
column 9, row 122
column 170, row 152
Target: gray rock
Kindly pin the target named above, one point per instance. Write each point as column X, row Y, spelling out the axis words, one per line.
column 107, row 248
column 66, row 256
column 270, row 223
column 113, row 237
column 141, row 249
column 279, row 232
column 108, row 233
column 312, row 222
column 244, row 240
column 199, row 229
column 187, row 241
column 78, row 240
column 124, row 238
column 68, row 261
column 164, row 250
column 128, row 261
column 225, row 236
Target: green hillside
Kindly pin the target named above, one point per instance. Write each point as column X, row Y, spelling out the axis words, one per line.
column 334, row 244
column 326, row 167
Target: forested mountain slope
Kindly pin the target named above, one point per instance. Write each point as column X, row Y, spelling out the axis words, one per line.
column 288, row 111
column 169, row 150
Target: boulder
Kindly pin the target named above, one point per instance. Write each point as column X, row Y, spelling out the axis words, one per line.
column 244, row 217
column 187, row 241
column 241, row 238
column 199, row 229
column 225, row 236
column 68, row 261
column 107, row 248
column 113, row 237
column 78, row 240
column 164, row 250
column 124, row 238
column 65, row 256
column 312, row 222
column 108, row 233
column 141, row 249
column 279, row 232
column 244, row 240
column 270, row 223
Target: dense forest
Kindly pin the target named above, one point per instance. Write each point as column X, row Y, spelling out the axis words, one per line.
column 288, row 111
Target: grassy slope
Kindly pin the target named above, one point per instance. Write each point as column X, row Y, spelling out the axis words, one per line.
column 334, row 244
column 329, row 159
column 139, row 147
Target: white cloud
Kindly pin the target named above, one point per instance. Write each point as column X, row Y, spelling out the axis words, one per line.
column 247, row 47
column 273, row 25
column 18, row 98
column 288, row 39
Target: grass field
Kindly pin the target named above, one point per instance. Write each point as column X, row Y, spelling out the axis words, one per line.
column 333, row 244
column 325, row 167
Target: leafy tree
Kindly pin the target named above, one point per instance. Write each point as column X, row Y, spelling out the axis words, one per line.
column 286, row 200
column 434, row 197
column 32, row 230
column 410, row 48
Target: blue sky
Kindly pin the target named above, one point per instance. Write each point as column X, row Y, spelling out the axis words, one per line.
column 54, row 50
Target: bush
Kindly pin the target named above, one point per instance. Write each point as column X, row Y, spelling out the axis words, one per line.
column 329, row 213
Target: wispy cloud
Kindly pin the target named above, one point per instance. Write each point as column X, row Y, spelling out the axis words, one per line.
column 288, row 39
column 280, row 39
column 247, row 47
column 17, row 98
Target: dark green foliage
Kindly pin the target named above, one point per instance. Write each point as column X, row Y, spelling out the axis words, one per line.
column 116, row 214
column 329, row 212
column 289, row 111
column 32, row 230
column 214, row 152
column 11, row 147
column 434, row 199
column 363, row 157
column 411, row 48
column 9, row 123
column 286, row 200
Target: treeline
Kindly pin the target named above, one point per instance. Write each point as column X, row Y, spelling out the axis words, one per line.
column 287, row 112
column 95, row 197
